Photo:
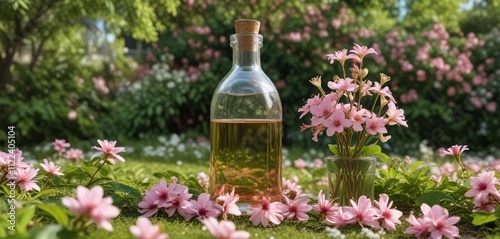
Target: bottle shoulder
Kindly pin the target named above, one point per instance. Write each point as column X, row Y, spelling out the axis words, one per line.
column 246, row 80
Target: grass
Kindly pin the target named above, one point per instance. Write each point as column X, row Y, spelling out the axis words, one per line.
column 138, row 172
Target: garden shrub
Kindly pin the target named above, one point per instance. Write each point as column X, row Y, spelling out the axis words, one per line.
column 454, row 103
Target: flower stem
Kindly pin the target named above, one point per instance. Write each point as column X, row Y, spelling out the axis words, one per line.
column 99, row 168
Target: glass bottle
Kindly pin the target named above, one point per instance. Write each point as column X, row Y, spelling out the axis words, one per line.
column 246, row 125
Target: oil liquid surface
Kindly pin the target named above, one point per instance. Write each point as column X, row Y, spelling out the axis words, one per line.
column 246, row 155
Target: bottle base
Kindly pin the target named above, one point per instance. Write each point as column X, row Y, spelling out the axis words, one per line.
column 244, row 208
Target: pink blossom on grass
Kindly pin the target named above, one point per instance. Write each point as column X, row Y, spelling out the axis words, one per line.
column 419, row 226
column 224, row 229
column 229, row 204
column 203, row 179
column 90, row 203
column 388, row 217
column 60, row 145
column 266, row 211
column 483, row 185
column 362, row 212
column 144, row 229
column 110, row 151
column 24, row 179
column 74, row 155
column 290, row 188
column 435, row 221
column 455, row 150
column 324, row 207
column 440, row 224
column 159, row 196
column 299, row 163
column 297, row 209
column 202, row 208
column 180, row 202
column 51, row 168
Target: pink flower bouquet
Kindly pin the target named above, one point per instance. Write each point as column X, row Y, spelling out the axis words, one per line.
column 355, row 113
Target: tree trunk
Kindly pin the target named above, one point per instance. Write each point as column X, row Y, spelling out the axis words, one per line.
column 5, row 71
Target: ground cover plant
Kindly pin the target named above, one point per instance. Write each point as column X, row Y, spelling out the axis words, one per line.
column 414, row 192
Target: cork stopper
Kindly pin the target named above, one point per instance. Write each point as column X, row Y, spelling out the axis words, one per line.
column 247, row 26
column 247, row 31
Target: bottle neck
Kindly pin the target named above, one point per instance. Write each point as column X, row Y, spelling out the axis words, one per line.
column 246, row 58
column 246, row 49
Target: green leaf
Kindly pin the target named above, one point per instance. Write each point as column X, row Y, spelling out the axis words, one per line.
column 334, row 149
column 23, row 218
column 480, row 218
column 433, row 198
column 52, row 231
column 169, row 173
column 58, row 213
column 44, row 192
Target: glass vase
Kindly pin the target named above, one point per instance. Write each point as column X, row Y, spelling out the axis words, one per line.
column 350, row 178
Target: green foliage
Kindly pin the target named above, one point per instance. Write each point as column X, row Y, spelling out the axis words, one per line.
column 165, row 100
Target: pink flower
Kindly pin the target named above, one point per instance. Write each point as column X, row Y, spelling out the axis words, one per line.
column 224, row 229
column 297, row 208
column 395, row 115
column 90, row 203
column 343, row 85
column 361, row 52
column 382, row 91
column 17, row 160
column 338, row 218
column 389, row 217
column 180, row 202
column 147, row 206
column 60, row 145
column 336, row 123
column 72, row 115
column 299, row 163
column 358, row 118
column 290, row 188
column 229, row 204
column 418, row 226
column 203, row 179
column 318, row 163
column 265, row 212
column 74, row 155
column 362, row 212
column 454, row 150
column 439, row 223
column 144, row 229
column 341, row 56
column 310, row 103
column 375, row 125
column 321, row 111
column 24, row 179
column 50, row 168
column 324, row 207
column 483, row 185
column 110, row 151
column 202, row 208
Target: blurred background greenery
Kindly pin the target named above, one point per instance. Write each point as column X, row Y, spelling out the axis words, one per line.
column 82, row 70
